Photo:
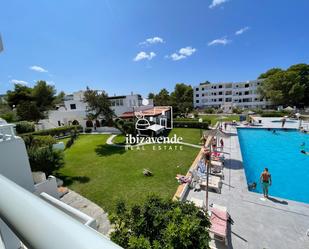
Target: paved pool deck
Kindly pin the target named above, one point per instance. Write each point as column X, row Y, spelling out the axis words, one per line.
column 259, row 223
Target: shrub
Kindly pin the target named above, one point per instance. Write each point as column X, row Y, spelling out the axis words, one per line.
column 60, row 131
column 272, row 114
column 9, row 117
column 209, row 110
column 237, row 110
column 45, row 159
column 24, row 127
column 192, row 124
column 69, row 143
column 38, row 141
column 88, row 130
column 89, row 123
column 159, row 223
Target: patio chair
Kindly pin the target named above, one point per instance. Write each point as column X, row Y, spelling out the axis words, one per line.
column 219, row 223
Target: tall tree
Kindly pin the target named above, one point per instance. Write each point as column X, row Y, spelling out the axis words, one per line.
column 43, row 95
column 32, row 103
column 287, row 87
column 162, row 98
column 182, row 98
column 270, row 72
column 98, row 104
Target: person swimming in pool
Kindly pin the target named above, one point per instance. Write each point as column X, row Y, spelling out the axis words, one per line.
column 304, row 152
column 266, row 181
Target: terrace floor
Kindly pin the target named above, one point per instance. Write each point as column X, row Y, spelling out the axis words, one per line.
column 258, row 222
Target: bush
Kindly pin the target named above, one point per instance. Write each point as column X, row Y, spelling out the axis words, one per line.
column 192, row 124
column 69, row 143
column 272, row 114
column 38, row 141
column 159, row 223
column 9, row 117
column 24, row 127
column 209, row 110
column 60, row 131
column 45, row 159
column 237, row 110
column 88, row 130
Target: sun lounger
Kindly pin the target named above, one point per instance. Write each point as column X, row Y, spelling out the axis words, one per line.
column 219, row 221
column 214, row 183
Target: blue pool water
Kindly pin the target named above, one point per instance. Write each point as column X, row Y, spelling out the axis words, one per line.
column 280, row 153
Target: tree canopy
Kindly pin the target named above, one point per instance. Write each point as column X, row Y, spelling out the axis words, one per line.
column 98, row 104
column 286, row 87
column 159, row 223
column 32, row 103
column 181, row 98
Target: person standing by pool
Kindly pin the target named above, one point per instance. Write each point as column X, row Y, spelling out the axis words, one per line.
column 266, row 181
column 221, row 143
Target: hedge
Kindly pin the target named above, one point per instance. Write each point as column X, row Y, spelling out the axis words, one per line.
column 192, row 124
column 24, row 127
column 60, row 131
column 272, row 114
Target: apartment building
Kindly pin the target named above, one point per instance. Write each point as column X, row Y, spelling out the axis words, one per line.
column 74, row 110
column 229, row 95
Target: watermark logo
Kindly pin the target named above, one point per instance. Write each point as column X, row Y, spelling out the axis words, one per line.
column 152, row 126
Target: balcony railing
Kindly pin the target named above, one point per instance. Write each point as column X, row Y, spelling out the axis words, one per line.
column 39, row 225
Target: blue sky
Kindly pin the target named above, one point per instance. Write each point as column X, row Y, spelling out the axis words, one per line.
column 143, row 46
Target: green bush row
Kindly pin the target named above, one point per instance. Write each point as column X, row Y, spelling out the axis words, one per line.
column 191, row 120
column 187, row 124
column 24, row 127
column 60, row 131
column 273, row 114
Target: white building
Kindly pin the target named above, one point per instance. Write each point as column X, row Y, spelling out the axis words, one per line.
column 74, row 110
column 31, row 213
column 229, row 95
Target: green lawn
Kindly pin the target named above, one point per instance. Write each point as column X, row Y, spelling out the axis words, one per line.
column 103, row 173
column 189, row 135
column 214, row 118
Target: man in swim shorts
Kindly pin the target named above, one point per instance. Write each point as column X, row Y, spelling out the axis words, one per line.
column 266, row 181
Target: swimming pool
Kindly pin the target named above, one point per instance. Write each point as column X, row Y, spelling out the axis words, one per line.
column 280, row 153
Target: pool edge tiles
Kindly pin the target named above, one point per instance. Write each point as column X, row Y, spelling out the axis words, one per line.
column 260, row 148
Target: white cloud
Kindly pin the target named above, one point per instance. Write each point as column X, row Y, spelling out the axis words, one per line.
column 182, row 53
column 242, row 30
column 22, row 82
column 221, row 41
column 152, row 40
column 38, row 69
column 144, row 56
column 216, row 3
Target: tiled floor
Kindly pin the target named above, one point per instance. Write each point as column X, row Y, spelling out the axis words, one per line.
column 258, row 223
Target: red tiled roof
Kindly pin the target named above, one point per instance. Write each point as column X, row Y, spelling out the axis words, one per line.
column 155, row 111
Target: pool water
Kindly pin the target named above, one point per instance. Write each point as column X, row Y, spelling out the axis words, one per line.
column 280, row 153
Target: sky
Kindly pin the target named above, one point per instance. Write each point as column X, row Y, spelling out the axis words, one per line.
column 142, row 46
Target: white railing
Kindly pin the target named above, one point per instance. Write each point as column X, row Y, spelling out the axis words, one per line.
column 7, row 132
column 40, row 225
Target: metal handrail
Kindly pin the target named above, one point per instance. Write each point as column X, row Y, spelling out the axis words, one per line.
column 39, row 225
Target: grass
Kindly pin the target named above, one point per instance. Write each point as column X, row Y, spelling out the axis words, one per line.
column 189, row 135
column 104, row 174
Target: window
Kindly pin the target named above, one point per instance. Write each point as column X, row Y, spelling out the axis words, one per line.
column 121, row 102
column 247, row 93
column 202, row 88
column 73, row 106
column 228, row 93
column 197, row 95
column 196, row 89
column 197, row 101
column 220, row 99
column 247, row 85
column 59, row 123
column 220, row 86
column 203, row 94
column 220, row 93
